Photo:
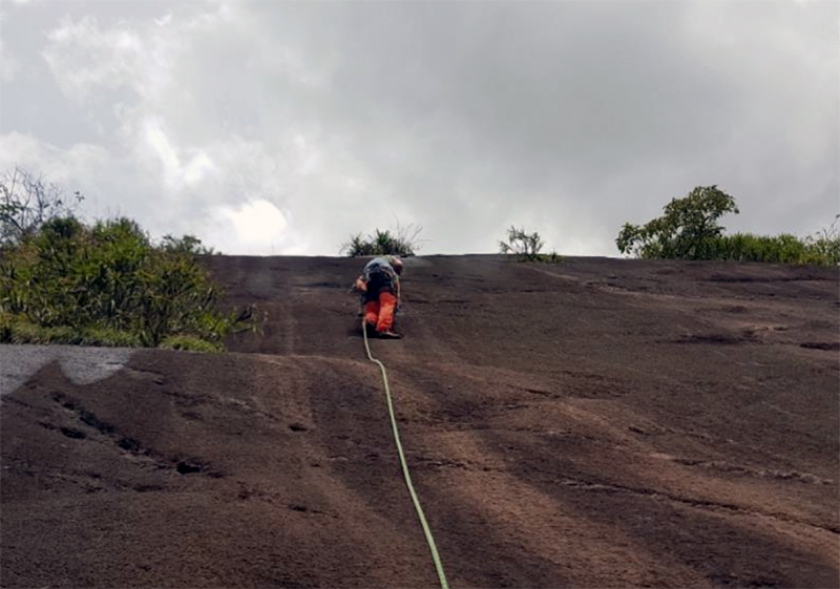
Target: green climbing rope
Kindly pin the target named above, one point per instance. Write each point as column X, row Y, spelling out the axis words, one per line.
column 430, row 540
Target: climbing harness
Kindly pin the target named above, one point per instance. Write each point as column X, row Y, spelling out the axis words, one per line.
column 426, row 529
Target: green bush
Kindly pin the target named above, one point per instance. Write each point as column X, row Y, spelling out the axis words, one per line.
column 780, row 249
column 108, row 283
column 825, row 244
column 552, row 258
column 16, row 330
column 402, row 242
column 527, row 246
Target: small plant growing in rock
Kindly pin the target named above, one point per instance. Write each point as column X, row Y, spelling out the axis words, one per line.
column 525, row 245
column 401, row 242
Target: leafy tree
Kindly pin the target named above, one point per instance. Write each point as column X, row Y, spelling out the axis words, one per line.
column 27, row 202
column 686, row 230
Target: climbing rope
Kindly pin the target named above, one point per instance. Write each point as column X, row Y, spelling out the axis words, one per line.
column 430, row 540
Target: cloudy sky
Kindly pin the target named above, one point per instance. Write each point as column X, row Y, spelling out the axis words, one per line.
column 271, row 127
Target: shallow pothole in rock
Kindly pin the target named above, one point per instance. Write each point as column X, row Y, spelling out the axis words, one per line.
column 188, row 468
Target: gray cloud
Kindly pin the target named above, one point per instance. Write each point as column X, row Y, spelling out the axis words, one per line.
column 567, row 117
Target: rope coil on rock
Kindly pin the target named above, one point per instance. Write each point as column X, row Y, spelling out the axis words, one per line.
column 427, row 531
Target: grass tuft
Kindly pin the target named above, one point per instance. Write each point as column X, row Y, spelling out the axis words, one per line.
column 402, row 242
column 190, row 344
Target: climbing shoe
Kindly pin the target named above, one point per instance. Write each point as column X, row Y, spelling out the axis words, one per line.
column 388, row 335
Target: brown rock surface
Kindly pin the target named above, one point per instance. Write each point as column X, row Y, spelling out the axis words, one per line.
column 592, row 423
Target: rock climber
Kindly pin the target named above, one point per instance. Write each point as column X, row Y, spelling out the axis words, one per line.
column 380, row 288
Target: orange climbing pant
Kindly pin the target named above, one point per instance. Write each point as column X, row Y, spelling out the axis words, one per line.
column 380, row 313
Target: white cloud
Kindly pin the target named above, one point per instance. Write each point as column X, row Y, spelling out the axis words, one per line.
column 257, row 227
column 9, row 65
column 157, row 140
column 258, row 222
column 176, row 181
column 89, row 169
column 176, row 176
column 570, row 118
column 60, row 166
column 86, row 56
